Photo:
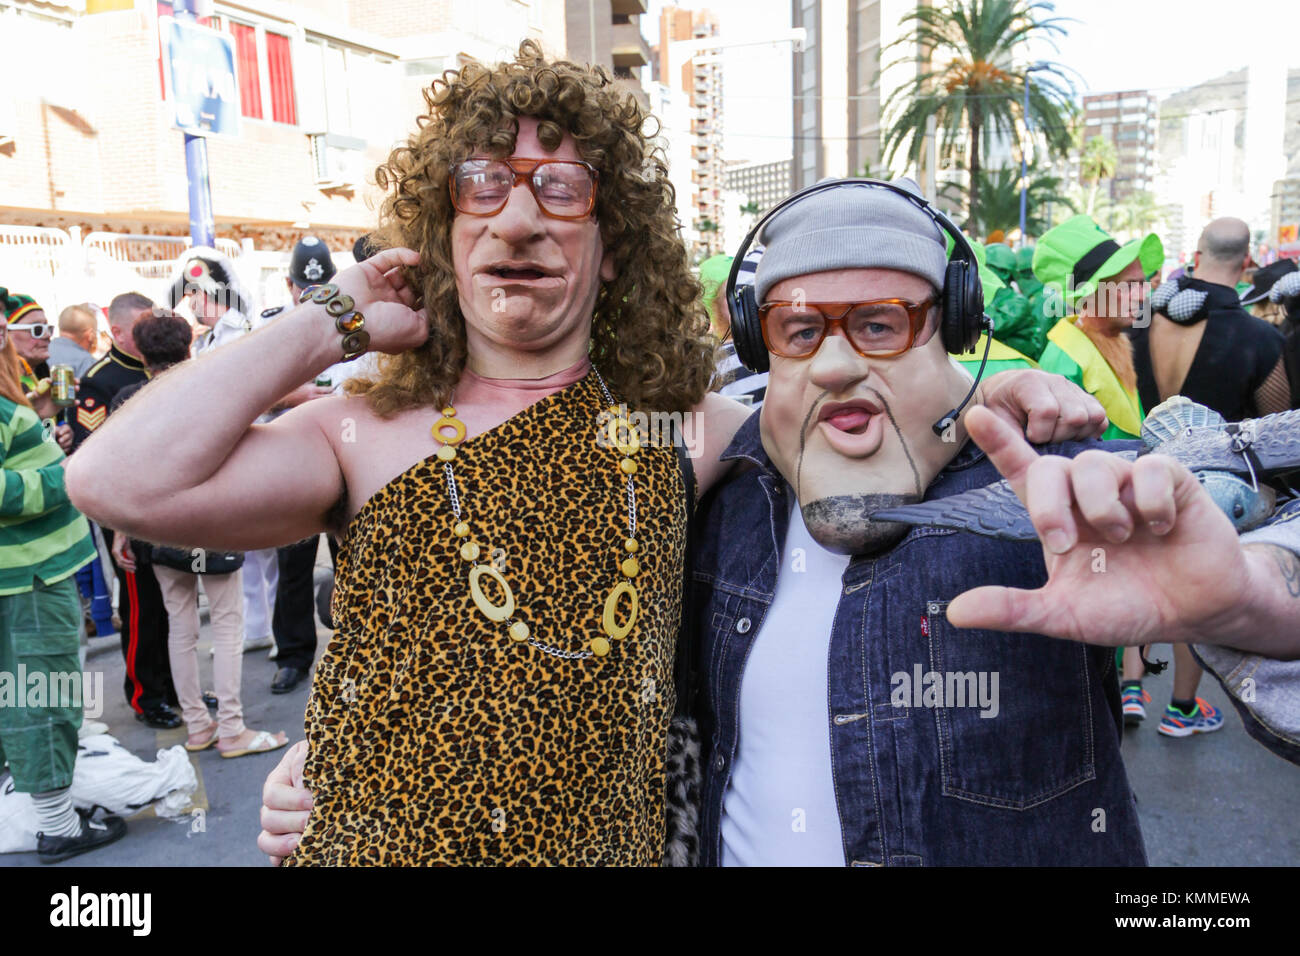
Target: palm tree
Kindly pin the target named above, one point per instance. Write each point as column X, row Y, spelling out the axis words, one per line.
column 1098, row 162
column 969, row 85
column 999, row 209
column 1136, row 215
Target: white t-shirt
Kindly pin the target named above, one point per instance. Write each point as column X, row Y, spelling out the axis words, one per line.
column 779, row 809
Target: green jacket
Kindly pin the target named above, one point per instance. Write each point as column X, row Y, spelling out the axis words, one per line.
column 1002, row 358
column 1071, row 353
column 41, row 534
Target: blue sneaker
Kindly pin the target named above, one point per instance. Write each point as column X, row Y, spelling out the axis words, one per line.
column 1132, row 699
column 1204, row 719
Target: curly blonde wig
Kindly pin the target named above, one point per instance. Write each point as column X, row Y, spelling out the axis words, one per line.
column 649, row 335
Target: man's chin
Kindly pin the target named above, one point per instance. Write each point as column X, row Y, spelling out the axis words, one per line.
column 842, row 523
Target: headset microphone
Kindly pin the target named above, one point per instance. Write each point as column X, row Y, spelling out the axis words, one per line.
column 943, row 424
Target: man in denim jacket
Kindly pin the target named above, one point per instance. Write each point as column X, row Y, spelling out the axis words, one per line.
column 850, row 719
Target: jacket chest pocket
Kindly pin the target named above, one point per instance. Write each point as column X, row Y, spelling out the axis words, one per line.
column 1027, row 734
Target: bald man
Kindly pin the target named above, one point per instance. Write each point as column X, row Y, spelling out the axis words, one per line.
column 78, row 335
column 1203, row 344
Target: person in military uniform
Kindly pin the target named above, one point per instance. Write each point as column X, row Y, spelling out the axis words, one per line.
column 148, row 682
column 293, row 621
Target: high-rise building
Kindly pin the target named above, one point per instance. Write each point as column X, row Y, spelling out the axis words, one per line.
column 762, row 184
column 697, row 82
column 842, row 78
column 608, row 33
column 1223, row 148
column 1127, row 121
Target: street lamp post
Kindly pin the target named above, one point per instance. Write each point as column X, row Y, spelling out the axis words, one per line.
column 1024, row 168
column 202, row 225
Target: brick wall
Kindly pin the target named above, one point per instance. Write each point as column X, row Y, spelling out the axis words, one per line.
column 111, row 153
column 401, row 18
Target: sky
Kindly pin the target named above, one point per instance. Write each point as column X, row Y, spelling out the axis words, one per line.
column 1153, row 45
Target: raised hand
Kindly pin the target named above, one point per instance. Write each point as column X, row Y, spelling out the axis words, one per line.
column 1136, row 552
column 380, row 290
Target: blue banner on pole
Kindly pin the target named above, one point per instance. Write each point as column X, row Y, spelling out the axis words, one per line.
column 202, row 79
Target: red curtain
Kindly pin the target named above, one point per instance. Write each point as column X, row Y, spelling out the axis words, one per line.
column 250, row 81
column 164, row 10
column 280, row 67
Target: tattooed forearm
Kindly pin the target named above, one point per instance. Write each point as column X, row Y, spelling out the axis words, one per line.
column 1288, row 564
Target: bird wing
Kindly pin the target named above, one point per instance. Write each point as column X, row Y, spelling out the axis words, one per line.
column 1274, row 439
column 993, row 511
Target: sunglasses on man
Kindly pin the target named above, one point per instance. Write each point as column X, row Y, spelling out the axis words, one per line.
column 40, row 330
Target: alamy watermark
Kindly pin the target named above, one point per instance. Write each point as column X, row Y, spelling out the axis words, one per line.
column 42, row 688
column 622, row 426
column 935, row 689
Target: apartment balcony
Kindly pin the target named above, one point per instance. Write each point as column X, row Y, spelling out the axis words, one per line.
column 628, row 46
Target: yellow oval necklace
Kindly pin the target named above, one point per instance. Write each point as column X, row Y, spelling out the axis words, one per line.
column 450, row 432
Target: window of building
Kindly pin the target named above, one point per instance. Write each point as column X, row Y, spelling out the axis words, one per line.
column 347, row 91
column 264, row 61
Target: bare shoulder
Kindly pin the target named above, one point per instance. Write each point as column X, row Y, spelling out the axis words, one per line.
column 718, row 419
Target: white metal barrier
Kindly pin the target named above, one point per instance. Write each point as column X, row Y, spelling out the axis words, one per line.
column 34, row 260
column 58, row 268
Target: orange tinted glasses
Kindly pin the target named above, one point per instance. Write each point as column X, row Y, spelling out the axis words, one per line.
column 877, row 328
column 564, row 189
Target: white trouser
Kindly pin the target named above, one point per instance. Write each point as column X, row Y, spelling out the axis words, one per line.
column 261, row 572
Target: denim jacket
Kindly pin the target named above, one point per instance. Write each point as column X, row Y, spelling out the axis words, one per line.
column 1040, row 783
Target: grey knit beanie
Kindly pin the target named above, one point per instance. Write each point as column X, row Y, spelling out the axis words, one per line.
column 855, row 226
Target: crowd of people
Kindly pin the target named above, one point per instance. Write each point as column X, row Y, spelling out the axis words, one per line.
column 258, row 600
column 550, row 649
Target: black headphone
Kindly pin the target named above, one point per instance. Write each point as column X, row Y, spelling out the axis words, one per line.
column 962, row 297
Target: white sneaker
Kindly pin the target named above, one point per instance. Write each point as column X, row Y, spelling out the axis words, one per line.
column 259, row 643
column 256, row 644
column 274, row 651
column 91, row 728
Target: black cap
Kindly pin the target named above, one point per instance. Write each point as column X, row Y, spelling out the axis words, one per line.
column 362, row 249
column 1264, row 280
column 311, row 263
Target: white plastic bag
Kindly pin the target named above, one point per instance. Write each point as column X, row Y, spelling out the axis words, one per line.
column 107, row 774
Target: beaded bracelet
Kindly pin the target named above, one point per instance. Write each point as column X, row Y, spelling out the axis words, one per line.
column 347, row 319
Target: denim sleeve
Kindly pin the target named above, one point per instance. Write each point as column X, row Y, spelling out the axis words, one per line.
column 1266, row 692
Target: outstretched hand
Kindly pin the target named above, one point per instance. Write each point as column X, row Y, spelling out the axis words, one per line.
column 1136, row 551
column 382, row 293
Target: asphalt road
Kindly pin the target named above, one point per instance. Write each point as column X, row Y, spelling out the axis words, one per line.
column 1210, row 800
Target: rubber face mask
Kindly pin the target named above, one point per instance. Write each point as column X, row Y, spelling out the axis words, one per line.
column 853, row 434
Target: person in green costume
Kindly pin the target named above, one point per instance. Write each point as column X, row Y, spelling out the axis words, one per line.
column 1001, row 355
column 1102, row 288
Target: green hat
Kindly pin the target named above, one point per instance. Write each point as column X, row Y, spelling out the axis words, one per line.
column 16, row 306
column 713, row 276
column 1078, row 253
column 1001, row 258
column 1025, row 259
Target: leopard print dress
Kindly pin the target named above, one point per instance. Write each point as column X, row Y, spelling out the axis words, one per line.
column 435, row 738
